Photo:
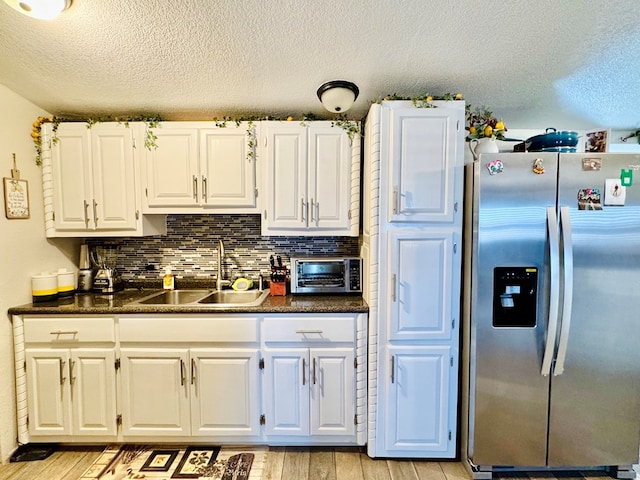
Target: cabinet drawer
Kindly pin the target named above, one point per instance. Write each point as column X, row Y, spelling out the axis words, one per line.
column 68, row 329
column 226, row 328
column 312, row 329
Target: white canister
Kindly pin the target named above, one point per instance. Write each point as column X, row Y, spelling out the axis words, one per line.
column 44, row 287
column 66, row 283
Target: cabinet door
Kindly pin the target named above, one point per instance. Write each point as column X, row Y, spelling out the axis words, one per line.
column 113, row 206
column 285, row 147
column 424, row 160
column 224, row 392
column 172, row 176
column 420, row 409
column 227, row 171
column 155, row 392
column 422, row 279
column 329, row 178
column 286, row 401
column 72, row 177
column 332, row 391
column 92, row 379
column 48, row 393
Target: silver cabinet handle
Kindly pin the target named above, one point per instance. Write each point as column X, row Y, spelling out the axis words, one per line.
column 394, row 205
column 193, row 371
column 204, row 188
column 304, row 332
column 95, row 213
column 61, row 367
column 302, row 206
column 86, row 214
column 317, row 213
column 314, row 371
column 64, row 332
column 567, row 304
column 182, row 373
column 72, row 365
column 311, row 219
column 393, row 287
column 393, row 369
column 554, row 290
column 304, row 379
column 195, row 187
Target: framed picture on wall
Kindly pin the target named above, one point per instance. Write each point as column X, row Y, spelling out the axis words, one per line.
column 16, row 198
column 597, row 142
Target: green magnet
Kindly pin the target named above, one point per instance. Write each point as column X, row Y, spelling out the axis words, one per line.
column 626, row 177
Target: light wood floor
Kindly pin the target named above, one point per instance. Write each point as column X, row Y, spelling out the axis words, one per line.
column 283, row 463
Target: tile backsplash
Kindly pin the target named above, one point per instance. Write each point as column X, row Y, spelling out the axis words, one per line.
column 190, row 248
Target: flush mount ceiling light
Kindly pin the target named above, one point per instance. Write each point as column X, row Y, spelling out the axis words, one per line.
column 40, row 9
column 338, row 95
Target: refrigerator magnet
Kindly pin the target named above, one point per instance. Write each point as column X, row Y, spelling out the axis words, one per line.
column 591, row 164
column 495, row 167
column 538, row 166
column 614, row 192
column 589, row 199
column 626, row 177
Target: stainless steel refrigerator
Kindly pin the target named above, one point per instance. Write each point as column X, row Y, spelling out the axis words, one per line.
column 553, row 342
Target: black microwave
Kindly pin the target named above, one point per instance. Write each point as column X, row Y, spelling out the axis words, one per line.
column 326, row 275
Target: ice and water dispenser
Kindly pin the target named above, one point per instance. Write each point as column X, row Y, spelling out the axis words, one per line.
column 515, row 297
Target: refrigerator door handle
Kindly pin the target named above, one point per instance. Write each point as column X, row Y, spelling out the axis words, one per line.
column 554, row 293
column 567, row 250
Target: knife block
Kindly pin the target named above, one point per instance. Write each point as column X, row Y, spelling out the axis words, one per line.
column 278, row 288
column 278, row 284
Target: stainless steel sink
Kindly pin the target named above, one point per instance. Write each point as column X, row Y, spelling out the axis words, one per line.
column 232, row 297
column 205, row 298
column 174, row 297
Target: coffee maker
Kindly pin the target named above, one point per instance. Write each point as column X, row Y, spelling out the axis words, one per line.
column 107, row 279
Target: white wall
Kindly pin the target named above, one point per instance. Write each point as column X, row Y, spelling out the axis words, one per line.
column 24, row 250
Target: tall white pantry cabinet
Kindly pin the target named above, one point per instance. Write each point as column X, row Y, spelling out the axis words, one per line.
column 411, row 249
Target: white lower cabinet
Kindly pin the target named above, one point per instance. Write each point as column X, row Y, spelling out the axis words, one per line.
column 291, row 379
column 309, row 382
column 418, row 413
column 198, row 392
column 309, row 391
column 155, row 395
column 71, row 392
column 191, row 376
column 71, row 386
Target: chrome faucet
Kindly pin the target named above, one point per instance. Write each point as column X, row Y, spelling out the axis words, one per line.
column 220, row 282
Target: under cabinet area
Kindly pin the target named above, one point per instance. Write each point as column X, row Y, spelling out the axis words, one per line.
column 285, row 379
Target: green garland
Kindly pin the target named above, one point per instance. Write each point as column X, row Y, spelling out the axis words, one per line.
column 152, row 122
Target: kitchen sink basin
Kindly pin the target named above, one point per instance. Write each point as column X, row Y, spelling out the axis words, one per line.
column 232, row 297
column 205, row 298
column 174, row 297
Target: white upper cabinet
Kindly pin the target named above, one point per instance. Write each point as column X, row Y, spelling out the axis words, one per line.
column 90, row 185
column 424, row 162
column 311, row 179
column 197, row 167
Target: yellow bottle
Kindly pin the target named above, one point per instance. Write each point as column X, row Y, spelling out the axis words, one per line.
column 168, row 280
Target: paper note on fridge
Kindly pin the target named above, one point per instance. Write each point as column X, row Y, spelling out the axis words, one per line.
column 614, row 192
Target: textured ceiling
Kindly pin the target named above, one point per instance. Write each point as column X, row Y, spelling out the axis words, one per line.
column 568, row 64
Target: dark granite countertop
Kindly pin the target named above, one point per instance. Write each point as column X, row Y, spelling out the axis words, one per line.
column 120, row 304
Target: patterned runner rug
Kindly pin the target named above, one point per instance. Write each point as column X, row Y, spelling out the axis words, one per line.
column 162, row 462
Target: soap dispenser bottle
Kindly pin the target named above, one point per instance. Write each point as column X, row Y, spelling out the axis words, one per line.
column 168, row 280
